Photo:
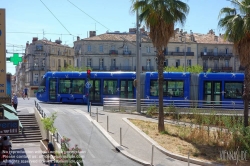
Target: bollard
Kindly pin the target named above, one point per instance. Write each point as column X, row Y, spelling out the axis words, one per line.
column 90, row 108
column 152, row 157
column 97, row 114
column 107, row 123
column 120, row 136
column 57, row 135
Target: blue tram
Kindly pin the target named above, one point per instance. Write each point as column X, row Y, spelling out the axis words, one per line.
column 71, row 87
column 176, row 85
column 224, row 89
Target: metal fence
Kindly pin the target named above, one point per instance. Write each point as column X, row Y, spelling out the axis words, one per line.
column 43, row 114
column 129, row 105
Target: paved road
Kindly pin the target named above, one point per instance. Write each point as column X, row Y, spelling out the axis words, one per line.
column 70, row 122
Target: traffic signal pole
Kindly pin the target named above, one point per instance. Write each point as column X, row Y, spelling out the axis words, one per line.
column 88, row 78
column 88, row 95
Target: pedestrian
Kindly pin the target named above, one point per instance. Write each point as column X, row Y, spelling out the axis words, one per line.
column 26, row 93
column 14, row 101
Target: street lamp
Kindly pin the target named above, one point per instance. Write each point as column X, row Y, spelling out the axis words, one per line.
column 183, row 35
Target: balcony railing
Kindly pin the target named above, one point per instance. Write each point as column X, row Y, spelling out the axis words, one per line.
column 36, row 68
column 179, row 53
column 113, row 52
column 126, row 52
column 98, row 68
column 213, row 54
column 218, row 69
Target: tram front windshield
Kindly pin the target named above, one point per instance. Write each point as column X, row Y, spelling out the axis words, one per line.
column 42, row 85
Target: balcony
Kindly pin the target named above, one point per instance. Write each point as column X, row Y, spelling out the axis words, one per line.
column 179, row 53
column 35, row 68
column 218, row 69
column 126, row 52
column 98, row 68
column 207, row 55
column 113, row 52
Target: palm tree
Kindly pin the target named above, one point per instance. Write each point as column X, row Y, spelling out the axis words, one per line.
column 160, row 17
column 236, row 23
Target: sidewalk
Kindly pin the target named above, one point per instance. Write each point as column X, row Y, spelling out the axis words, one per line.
column 135, row 145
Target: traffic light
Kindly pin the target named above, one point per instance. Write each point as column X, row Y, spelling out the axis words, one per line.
column 88, row 73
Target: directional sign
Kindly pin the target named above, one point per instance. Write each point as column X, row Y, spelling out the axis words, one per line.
column 88, row 85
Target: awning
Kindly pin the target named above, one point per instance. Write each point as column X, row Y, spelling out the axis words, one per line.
column 9, row 108
column 12, row 116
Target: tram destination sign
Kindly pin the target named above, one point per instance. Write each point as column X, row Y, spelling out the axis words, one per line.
column 9, row 127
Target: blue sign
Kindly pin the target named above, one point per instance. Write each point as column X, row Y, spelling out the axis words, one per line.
column 0, row 32
column 88, row 85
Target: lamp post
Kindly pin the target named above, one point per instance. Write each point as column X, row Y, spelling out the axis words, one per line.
column 183, row 35
column 138, row 65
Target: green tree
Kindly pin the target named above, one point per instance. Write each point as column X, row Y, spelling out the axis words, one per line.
column 48, row 123
column 160, row 17
column 72, row 68
column 191, row 69
column 236, row 23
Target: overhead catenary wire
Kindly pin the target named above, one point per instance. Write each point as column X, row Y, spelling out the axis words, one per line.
column 56, row 18
column 88, row 15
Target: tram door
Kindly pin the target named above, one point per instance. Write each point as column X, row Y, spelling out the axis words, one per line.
column 94, row 91
column 126, row 89
column 52, row 89
column 212, row 92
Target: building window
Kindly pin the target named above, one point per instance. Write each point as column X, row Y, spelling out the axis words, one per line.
column 36, row 62
column 177, row 63
column 177, row 49
column 166, row 51
column 188, row 49
column 35, row 78
column 166, row 62
column 148, row 49
column 112, row 47
column 69, row 62
column 53, row 63
column 65, row 63
column 101, row 64
column 226, row 63
column 58, row 52
column 125, row 48
column 205, row 49
column 39, row 47
column 148, row 64
column 89, row 48
column 43, row 62
column 189, row 62
column 59, row 62
column 215, row 51
column 89, row 62
column 216, row 64
column 113, row 62
column 205, row 63
column 101, row 48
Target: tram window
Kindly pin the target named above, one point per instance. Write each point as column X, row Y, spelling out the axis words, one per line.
column 175, row 88
column 110, row 87
column 233, row 90
column 77, row 86
column 64, row 86
column 42, row 85
column 153, row 88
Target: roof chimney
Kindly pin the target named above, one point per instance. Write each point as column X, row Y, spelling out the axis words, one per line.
column 27, row 43
column 34, row 39
column 92, row 33
column 132, row 30
column 78, row 38
column 215, row 38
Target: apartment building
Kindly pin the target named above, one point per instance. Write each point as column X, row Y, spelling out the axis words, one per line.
column 116, row 51
column 40, row 57
column 216, row 53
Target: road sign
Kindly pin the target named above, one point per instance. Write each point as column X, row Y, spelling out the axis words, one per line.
column 16, row 59
column 88, row 85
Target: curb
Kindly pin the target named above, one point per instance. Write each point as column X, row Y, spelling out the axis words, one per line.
column 163, row 150
column 114, row 143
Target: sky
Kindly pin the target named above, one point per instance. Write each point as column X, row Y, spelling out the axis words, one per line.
column 67, row 19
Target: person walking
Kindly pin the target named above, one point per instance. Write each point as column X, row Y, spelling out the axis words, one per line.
column 26, row 93
column 14, row 101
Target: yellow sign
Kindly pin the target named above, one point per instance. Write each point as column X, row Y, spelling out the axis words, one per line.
column 2, row 54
